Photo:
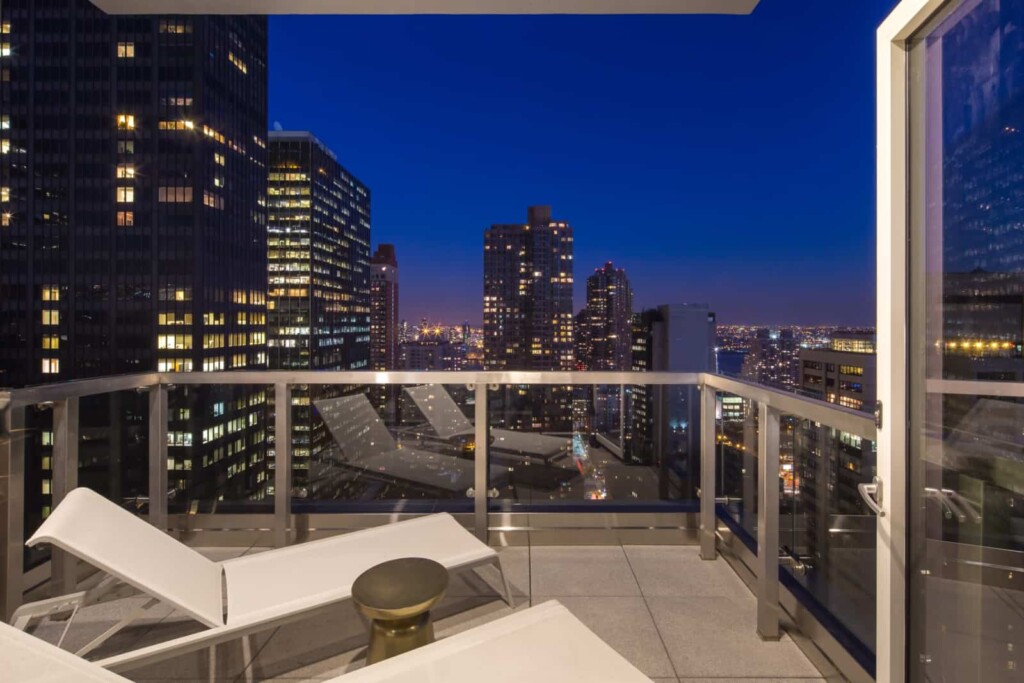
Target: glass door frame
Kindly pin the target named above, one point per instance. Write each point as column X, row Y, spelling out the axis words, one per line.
column 894, row 200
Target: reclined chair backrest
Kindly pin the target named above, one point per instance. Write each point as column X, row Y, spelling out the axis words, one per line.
column 441, row 410
column 94, row 529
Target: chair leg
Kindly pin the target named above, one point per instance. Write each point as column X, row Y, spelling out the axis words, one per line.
column 247, row 658
column 504, row 580
column 106, row 635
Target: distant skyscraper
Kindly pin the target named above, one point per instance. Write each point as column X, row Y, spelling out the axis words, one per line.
column 384, row 309
column 773, row 360
column 608, row 319
column 133, row 232
column 663, row 423
column 319, row 276
column 528, row 294
column 528, row 314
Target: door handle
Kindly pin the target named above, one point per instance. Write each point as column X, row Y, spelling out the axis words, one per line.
column 872, row 495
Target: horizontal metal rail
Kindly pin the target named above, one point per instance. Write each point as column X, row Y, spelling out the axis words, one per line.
column 963, row 387
column 837, row 417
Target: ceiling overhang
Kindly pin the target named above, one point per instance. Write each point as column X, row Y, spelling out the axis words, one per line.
column 426, row 6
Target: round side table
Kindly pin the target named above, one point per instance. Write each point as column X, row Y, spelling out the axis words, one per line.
column 396, row 597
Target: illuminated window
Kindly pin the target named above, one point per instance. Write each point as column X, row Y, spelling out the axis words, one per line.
column 126, row 147
column 239, row 64
column 174, row 365
column 51, row 342
column 5, row 146
column 125, row 50
column 5, row 49
column 218, row 181
column 174, row 341
column 174, row 195
column 5, row 122
column 213, row 201
column 50, row 293
column 125, row 195
column 5, row 27
column 218, row 159
column 5, row 219
column 125, row 219
column 126, row 170
column 51, row 317
column 172, row 26
column 178, row 124
column 5, row 194
column 126, row 122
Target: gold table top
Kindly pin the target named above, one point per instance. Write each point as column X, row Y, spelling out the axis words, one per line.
column 400, row 588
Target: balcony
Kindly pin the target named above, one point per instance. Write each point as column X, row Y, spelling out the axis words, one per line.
column 589, row 483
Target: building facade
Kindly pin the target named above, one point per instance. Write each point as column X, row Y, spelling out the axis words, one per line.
column 773, row 359
column 384, row 308
column 608, row 318
column 319, row 280
column 528, row 280
column 133, row 232
column 662, row 426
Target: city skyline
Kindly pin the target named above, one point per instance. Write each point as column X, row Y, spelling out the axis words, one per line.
column 449, row 142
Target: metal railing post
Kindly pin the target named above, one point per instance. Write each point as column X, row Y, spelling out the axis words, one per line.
column 282, row 463
column 480, row 471
column 158, row 409
column 12, row 508
column 708, row 523
column 64, row 566
column 768, row 523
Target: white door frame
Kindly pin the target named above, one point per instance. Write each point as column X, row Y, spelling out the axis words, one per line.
column 893, row 165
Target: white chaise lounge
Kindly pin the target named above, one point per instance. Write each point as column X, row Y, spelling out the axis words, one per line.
column 244, row 595
column 544, row 644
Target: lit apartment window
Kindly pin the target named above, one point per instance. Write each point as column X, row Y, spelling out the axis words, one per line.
column 126, row 147
column 125, row 50
column 51, row 342
column 5, row 146
column 172, row 26
column 5, row 219
column 125, row 195
column 174, row 195
column 213, row 201
column 126, row 170
column 51, row 366
column 5, row 27
column 218, row 159
column 125, row 219
column 218, row 181
column 51, row 317
column 50, row 293
column 126, row 121
column 5, row 194
column 177, row 124
column 5, row 122
column 239, row 64
column 174, row 365
column 5, row 49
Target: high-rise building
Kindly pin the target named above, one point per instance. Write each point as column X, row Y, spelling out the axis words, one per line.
column 662, row 423
column 842, row 373
column 133, row 235
column 319, row 279
column 528, row 294
column 528, row 319
column 773, row 359
column 608, row 318
column 384, row 308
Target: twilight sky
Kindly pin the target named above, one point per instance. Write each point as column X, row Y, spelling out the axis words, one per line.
column 726, row 160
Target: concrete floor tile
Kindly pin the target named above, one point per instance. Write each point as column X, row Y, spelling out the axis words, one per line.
column 716, row 637
column 678, row 571
column 560, row 571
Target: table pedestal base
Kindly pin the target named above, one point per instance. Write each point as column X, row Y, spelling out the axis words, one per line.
column 395, row 636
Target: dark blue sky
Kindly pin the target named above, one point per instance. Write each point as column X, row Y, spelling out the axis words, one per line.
column 727, row 160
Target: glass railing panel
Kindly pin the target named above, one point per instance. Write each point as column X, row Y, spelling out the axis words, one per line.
column 825, row 527
column 113, row 447
column 38, row 442
column 366, row 448
column 218, row 449
column 737, row 460
column 555, row 447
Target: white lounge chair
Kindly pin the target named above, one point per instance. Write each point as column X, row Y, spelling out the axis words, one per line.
column 544, row 644
column 240, row 596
